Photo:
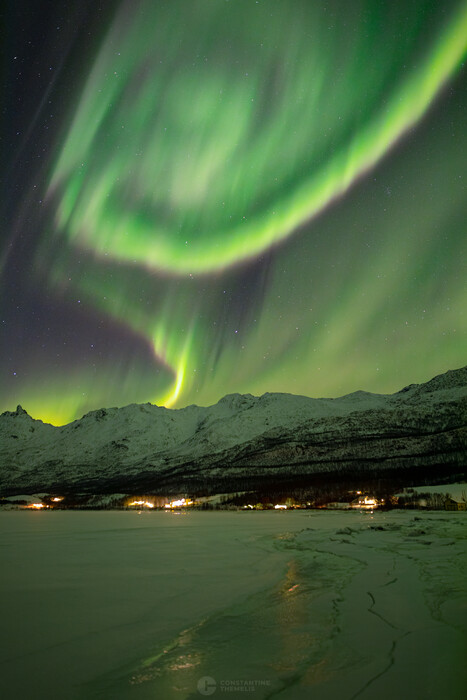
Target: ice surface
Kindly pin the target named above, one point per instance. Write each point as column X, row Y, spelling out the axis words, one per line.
column 321, row 605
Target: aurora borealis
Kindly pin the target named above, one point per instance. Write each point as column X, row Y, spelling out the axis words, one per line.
column 207, row 197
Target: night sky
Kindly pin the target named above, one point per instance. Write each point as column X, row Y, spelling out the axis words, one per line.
column 209, row 196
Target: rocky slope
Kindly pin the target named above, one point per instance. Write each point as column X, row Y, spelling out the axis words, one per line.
column 241, row 440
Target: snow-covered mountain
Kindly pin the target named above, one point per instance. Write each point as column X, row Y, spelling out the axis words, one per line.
column 240, row 440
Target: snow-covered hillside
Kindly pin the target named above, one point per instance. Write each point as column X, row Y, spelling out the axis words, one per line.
column 240, row 437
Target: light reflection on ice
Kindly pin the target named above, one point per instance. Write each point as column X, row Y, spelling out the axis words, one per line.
column 304, row 604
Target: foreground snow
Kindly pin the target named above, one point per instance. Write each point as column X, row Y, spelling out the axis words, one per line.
column 292, row 605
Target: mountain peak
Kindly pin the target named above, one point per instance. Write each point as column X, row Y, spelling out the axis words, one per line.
column 19, row 412
column 453, row 380
column 237, row 400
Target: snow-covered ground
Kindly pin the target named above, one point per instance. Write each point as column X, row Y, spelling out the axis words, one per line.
column 322, row 605
column 456, row 491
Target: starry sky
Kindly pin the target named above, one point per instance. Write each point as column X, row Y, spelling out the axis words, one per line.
column 213, row 196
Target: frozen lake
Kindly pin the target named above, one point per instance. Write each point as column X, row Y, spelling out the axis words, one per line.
column 305, row 604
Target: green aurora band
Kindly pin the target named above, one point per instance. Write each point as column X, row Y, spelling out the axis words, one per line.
column 194, row 152
column 196, row 145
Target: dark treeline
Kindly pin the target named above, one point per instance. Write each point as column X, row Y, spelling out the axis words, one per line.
column 315, row 489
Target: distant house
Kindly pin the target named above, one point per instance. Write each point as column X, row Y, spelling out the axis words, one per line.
column 451, row 504
column 365, row 502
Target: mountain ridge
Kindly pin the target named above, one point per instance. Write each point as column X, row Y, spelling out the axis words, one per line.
column 239, row 439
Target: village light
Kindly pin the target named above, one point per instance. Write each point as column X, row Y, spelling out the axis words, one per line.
column 180, row 502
